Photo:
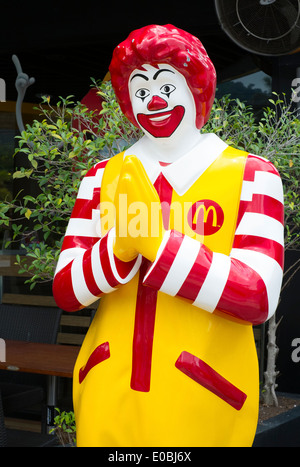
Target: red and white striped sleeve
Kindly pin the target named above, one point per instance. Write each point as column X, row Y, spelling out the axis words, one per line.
column 246, row 284
column 87, row 267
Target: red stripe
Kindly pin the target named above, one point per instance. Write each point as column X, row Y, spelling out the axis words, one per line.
column 161, row 268
column 100, row 354
column 124, row 268
column 143, row 334
column 203, row 374
column 93, row 171
column 83, row 207
column 255, row 164
column 73, row 241
column 261, row 244
column 89, row 275
column 268, row 206
column 63, row 290
column 191, row 286
column 262, row 204
column 238, row 300
column 242, row 209
column 105, row 262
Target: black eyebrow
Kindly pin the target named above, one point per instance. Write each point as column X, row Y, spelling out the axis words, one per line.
column 142, row 76
column 159, row 71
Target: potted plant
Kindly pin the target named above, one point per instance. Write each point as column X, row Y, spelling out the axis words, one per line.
column 65, row 428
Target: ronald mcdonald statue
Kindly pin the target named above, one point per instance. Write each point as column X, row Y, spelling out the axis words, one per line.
column 181, row 236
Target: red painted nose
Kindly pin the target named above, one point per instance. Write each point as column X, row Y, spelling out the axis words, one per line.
column 157, row 103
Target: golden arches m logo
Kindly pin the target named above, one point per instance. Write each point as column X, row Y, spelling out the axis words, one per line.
column 205, row 217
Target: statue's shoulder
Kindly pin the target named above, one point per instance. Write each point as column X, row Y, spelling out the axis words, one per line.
column 260, row 164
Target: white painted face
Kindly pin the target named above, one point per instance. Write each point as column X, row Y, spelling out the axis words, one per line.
column 162, row 102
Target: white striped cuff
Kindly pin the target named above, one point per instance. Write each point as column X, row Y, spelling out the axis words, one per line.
column 214, row 283
column 99, row 265
column 80, row 289
column 182, row 264
column 172, row 267
column 135, row 268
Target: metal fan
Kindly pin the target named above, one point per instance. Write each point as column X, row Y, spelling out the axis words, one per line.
column 264, row 27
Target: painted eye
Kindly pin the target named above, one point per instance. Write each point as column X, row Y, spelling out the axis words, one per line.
column 142, row 93
column 167, row 89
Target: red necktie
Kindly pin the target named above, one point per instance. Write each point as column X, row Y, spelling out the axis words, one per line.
column 146, row 307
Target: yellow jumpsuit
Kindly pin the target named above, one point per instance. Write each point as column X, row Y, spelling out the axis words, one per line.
column 176, row 411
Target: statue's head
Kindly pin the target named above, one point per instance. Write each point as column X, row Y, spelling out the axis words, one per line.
column 163, row 78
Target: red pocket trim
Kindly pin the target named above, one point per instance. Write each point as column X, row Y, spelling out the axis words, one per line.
column 100, row 354
column 203, row 374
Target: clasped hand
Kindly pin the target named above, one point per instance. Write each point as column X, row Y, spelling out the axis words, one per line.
column 139, row 224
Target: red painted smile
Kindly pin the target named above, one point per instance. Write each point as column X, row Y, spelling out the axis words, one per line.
column 162, row 124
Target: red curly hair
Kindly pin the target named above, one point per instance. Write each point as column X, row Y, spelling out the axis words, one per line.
column 165, row 44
